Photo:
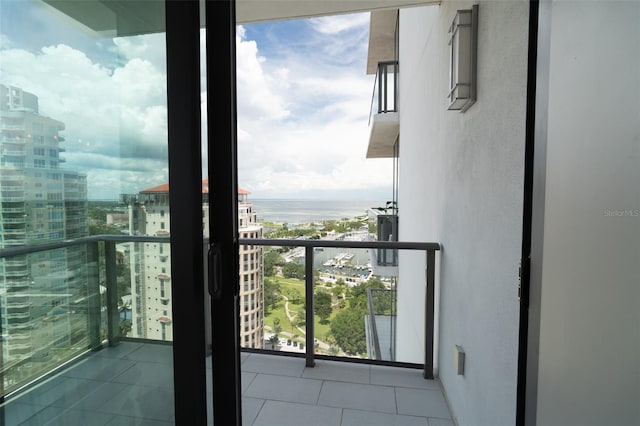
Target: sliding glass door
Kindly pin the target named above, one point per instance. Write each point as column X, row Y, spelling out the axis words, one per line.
column 110, row 245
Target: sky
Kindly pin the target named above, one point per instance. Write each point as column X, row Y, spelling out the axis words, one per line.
column 303, row 103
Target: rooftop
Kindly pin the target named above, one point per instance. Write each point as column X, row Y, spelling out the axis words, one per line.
column 205, row 188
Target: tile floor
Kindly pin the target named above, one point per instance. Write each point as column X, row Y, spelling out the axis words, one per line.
column 131, row 384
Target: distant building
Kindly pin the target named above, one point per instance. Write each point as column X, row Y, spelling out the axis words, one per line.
column 39, row 202
column 151, row 266
column 117, row 219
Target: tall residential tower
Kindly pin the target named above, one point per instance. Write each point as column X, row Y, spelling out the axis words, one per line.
column 151, row 282
column 39, row 202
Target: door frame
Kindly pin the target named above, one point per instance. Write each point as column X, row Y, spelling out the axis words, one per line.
column 185, row 201
column 223, row 275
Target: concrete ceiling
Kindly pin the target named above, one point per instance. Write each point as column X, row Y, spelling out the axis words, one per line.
column 269, row 10
column 382, row 28
column 130, row 17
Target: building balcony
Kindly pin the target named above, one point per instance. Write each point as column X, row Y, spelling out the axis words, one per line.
column 132, row 384
column 15, row 263
column 14, row 239
column 5, row 126
column 13, row 274
column 383, row 119
column 17, row 284
column 13, row 153
column 12, row 209
column 95, row 370
column 11, row 139
column 13, row 197
column 18, row 304
column 18, row 316
column 18, row 220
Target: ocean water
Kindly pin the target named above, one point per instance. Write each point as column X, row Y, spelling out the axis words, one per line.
column 305, row 211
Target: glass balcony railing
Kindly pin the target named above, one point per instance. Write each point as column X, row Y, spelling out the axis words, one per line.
column 316, row 298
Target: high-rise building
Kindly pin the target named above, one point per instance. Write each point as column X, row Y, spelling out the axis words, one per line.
column 151, row 266
column 39, row 202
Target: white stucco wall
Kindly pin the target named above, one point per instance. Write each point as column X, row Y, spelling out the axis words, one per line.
column 461, row 184
column 589, row 351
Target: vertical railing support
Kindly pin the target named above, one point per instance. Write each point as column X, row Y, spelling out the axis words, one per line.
column 429, row 315
column 113, row 316
column 380, row 90
column 93, row 295
column 373, row 326
column 310, row 333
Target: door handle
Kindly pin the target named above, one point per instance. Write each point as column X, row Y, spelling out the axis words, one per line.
column 215, row 271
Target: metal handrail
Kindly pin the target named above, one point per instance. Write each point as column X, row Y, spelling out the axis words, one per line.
column 401, row 245
column 430, row 249
column 309, row 245
column 35, row 248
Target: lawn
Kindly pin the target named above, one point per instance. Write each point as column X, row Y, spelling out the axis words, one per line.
column 288, row 287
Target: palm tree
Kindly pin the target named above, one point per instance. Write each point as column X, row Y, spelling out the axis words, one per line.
column 273, row 340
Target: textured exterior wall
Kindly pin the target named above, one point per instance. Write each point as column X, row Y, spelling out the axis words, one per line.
column 461, row 184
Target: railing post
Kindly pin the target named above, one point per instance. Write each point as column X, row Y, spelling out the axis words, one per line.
column 429, row 315
column 380, row 88
column 308, row 270
column 373, row 326
column 113, row 316
column 93, row 295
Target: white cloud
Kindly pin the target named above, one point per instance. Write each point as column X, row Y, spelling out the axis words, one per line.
column 115, row 119
column 302, row 114
column 339, row 23
column 258, row 90
column 320, row 146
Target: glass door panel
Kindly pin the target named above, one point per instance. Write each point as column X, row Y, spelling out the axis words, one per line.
column 86, row 284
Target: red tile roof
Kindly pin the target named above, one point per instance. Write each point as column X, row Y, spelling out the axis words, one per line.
column 205, row 188
column 160, row 188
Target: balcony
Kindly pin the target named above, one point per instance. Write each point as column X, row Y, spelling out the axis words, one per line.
column 18, row 220
column 12, row 209
column 99, row 375
column 383, row 118
column 132, row 383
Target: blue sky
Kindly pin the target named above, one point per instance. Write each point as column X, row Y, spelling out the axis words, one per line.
column 303, row 103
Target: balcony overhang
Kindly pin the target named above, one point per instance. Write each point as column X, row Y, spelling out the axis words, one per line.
column 113, row 18
column 382, row 29
column 385, row 128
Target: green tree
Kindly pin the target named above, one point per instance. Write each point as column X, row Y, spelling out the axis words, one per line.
column 358, row 293
column 293, row 295
column 293, row 270
column 125, row 327
column 294, row 323
column 340, row 289
column 322, row 306
column 271, row 260
column 271, row 294
column 273, row 340
column 347, row 327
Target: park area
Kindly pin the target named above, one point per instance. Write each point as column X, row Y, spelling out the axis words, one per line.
column 340, row 309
